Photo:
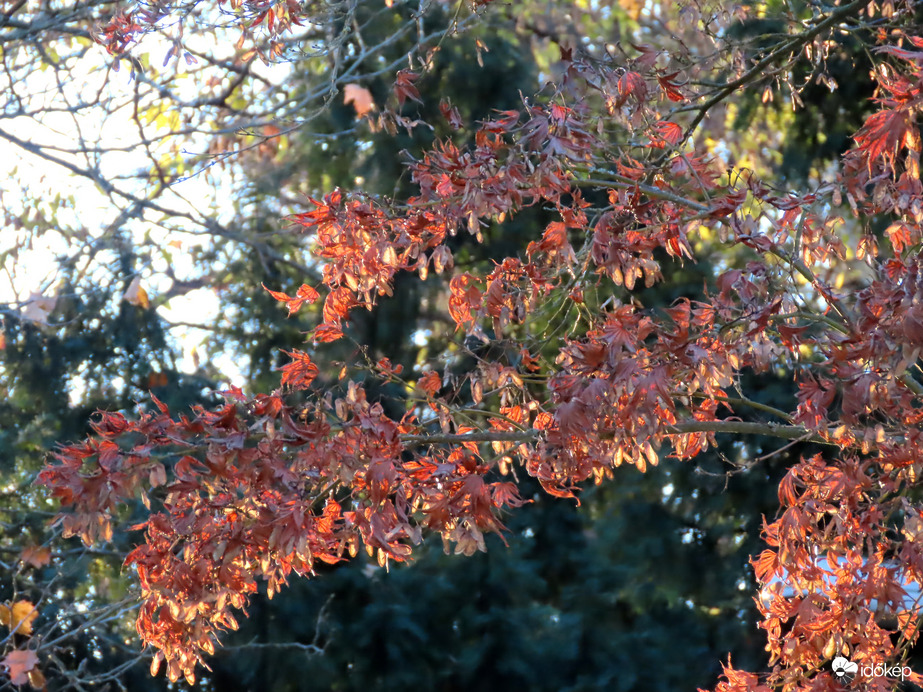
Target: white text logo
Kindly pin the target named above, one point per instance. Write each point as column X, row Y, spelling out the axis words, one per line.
column 845, row 669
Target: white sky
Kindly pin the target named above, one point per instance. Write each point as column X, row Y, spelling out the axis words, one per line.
column 34, row 270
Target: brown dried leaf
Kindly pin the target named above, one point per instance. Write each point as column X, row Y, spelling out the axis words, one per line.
column 37, row 556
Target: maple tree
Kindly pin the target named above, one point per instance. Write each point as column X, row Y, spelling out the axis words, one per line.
column 274, row 484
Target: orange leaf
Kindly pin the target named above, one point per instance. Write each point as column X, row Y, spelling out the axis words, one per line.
column 360, row 97
column 37, row 679
column 631, row 84
column 37, row 556
column 19, row 617
column 387, row 369
column 666, row 133
column 157, row 379
column 19, row 664
column 464, row 300
column 300, row 372
column 136, row 295
column 337, row 305
column 326, row 333
column 884, row 133
column 430, row 383
column 306, row 294
column 278, row 295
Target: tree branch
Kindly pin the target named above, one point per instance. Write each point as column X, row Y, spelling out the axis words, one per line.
column 782, row 431
column 797, row 42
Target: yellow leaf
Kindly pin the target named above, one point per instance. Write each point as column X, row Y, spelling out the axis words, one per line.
column 839, row 280
column 633, row 8
column 19, row 617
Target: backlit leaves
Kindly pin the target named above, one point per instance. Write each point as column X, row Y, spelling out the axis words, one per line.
column 18, row 616
column 37, row 556
column 136, row 295
column 884, row 134
column 573, row 376
column 360, row 97
column 300, row 372
column 430, row 383
column 404, row 87
column 22, row 667
column 305, row 294
column 235, row 513
column 465, row 299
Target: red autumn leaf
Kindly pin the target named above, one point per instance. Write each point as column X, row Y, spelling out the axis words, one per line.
column 553, row 240
column 19, row 664
column 162, row 407
column 903, row 235
column 327, row 333
column 505, row 495
column 884, row 133
column 665, row 134
column 300, row 372
column 404, row 87
column 451, row 114
column 614, row 380
column 430, row 383
column 465, row 299
column 631, row 84
column 337, row 305
column 305, row 294
column 387, row 369
column 670, row 87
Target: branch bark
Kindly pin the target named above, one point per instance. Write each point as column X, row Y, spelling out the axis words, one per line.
column 733, row 427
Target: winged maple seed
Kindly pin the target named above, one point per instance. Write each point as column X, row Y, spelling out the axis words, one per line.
column 260, row 489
